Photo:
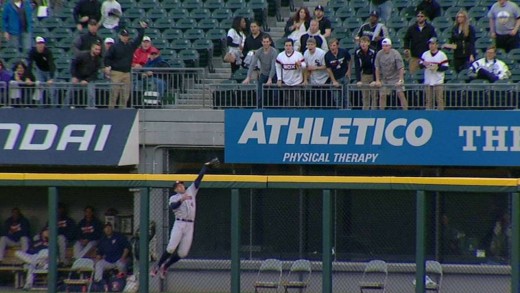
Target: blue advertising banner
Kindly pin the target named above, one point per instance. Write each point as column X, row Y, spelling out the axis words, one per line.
column 427, row 138
column 65, row 137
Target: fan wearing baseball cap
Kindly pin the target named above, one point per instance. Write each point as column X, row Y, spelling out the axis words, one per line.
column 435, row 63
column 383, row 8
column 390, row 74
column 41, row 61
column 323, row 21
column 118, row 63
column 374, row 30
column 84, row 42
column 142, row 53
column 416, row 40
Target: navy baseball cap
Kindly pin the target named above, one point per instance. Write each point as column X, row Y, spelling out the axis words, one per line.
column 124, row 32
column 177, row 183
column 319, row 7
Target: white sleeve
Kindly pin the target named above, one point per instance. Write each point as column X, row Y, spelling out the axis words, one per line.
column 174, row 198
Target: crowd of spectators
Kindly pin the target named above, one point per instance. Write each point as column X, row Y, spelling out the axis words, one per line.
column 244, row 40
column 87, row 237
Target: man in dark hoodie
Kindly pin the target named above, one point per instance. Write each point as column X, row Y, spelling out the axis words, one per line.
column 85, row 11
column 118, row 64
column 42, row 61
column 84, row 70
column 84, row 41
column 16, row 232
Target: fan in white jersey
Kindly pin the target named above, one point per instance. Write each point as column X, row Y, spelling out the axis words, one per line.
column 316, row 71
column 290, row 65
column 435, row 63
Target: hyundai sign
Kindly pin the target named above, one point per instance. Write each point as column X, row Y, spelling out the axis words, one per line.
column 65, row 137
column 431, row 138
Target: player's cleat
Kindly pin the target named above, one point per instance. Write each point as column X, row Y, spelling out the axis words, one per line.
column 154, row 272
column 162, row 272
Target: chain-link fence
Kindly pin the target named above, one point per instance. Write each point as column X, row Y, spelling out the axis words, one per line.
column 469, row 233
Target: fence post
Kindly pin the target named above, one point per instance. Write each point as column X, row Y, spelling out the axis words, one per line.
column 235, row 241
column 420, row 241
column 53, row 239
column 515, row 253
column 144, row 219
column 327, row 242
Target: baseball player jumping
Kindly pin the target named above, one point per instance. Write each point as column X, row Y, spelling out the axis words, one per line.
column 183, row 204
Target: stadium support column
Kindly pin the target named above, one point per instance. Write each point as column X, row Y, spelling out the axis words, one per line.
column 515, row 253
column 420, row 241
column 144, row 229
column 327, row 242
column 52, row 277
column 235, row 241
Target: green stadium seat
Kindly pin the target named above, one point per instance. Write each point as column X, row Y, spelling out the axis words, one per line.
column 478, row 12
column 163, row 23
column 226, row 23
column 213, row 5
column 124, row 3
column 160, row 43
column 177, row 14
column 466, row 3
column 171, row 5
column 337, row 4
column 279, row 44
column 191, row 4
column 347, row 43
column 156, row 13
column 341, row 32
column 451, row 12
column 400, row 4
column 352, row 23
column 482, row 44
column 442, row 22
column 205, row 49
column 146, row 4
column 246, row 13
column 133, row 13
column 49, row 22
column 200, row 13
column 239, row 75
column 235, row 4
column 217, row 37
column 221, row 14
column 61, row 33
column 168, row 54
column 177, row 63
column 397, row 22
column 180, row 44
column 344, row 12
column 207, row 24
column 190, row 57
column 9, row 54
column 185, row 23
column 408, row 13
column 193, row 34
column 363, row 12
column 445, row 4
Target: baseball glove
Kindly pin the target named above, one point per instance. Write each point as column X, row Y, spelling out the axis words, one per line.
column 213, row 163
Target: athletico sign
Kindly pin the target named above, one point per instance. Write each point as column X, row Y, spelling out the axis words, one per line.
column 442, row 138
column 64, row 137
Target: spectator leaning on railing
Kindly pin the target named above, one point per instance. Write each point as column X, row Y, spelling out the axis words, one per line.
column 316, row 71
column 339, row 67
column 21, row 84
column 390, row 74
column 364, row 61
column 84, row 70
column 44, row 68
column 142, row 53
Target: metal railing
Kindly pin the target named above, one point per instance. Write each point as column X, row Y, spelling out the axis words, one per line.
column 174, row 87
column 166, row 87
column 476, row 96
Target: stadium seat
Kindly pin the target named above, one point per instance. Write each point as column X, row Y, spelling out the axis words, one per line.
column 396, row 22
column 193, row 34
column 168, row 54
column 207, row 23
column 212, row 5
column 445, row 4
column 217, row 37
column 341, row 32
column 344, row 12
column 49, row 22
column 478, row 12
column 124, row 3
column 466, row 3
column 133, row 13
column 245, row 12
column 299, row 275
column 191, row 4
column 234, row 4
column 180, row 44
column 171, row 5
column 408, row 13
column 374, row 276
column 347, row 43
column 185, row 23
column 352, row 23
column 176, row 63
column 401, row 4
column 190, row 57
column 205, row 49
column 222, row 13
column 200, row 13
column 163, row 23
column 451, row 12
column 482, row 44
column 226, row 23
column 146, row 5
column 156, row 14
column 61, row 33
column 337, row 4
column 10, row 54
column 176, row 14
column 160, row 43
column 279, row 44
column 442, row 22
column 269, row 275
